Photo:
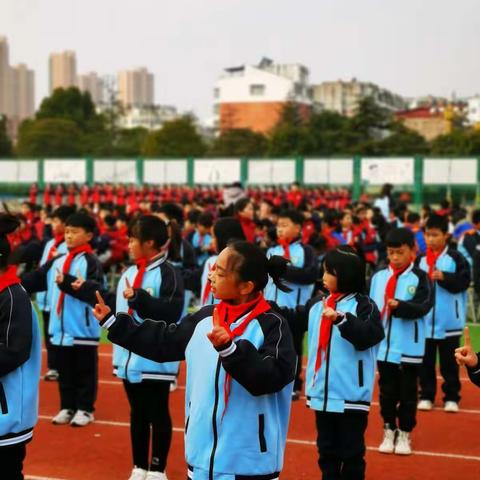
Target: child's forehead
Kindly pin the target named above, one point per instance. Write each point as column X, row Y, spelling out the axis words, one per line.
column 434, row 231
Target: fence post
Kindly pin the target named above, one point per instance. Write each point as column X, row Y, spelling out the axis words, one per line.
column 244, row 171
column 418, row 181
column 299, row 169
column 357, row 178
column 89, row 170
column 139, row 170
column 190, row 171
column 41, row 173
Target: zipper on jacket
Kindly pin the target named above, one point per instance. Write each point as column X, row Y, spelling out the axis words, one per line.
column 214, row 421
column 3, row 401
column 126, row 365
column 261, row 433
column 360, row 373
column 188, row 418
column 299, row 292
column 62, row 326
column 327, row 370
column 87, row 318
column 389, row 333
column 433, row 309
column 415, row 335
column 456, row 307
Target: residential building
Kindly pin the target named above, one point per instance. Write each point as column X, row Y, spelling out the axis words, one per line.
column 473, row 111
column 344, row 96
column 62, row 70
column 93, row 84
column 22, row 82
column 151, row 118
column 136, row 88
column 253, row 96
column 4, row 76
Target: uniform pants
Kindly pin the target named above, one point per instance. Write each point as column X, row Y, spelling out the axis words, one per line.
column 150, row 423
column 51, row 364
column 77, row 376
column 11, row 461
column 398, row 394
column 341, row 444
column 448, row 368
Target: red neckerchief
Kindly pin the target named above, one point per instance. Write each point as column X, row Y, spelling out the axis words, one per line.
column 9, row 277
column 66, row 269
column 285, row 244
column 325, row 332
column 228, row 314
column 431, row 259
column 390, row 288
column 58, row 239
column 208, row 285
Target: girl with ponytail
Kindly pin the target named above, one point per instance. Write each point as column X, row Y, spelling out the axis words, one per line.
column 240, row 363
column 19, row 361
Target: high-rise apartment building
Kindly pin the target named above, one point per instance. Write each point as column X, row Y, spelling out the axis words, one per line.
column 22, row 81
column 4, row 76
column 63, row 70
column 92, row 83
column 136, row 88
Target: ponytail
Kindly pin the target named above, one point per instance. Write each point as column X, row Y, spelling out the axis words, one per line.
column 276, row 267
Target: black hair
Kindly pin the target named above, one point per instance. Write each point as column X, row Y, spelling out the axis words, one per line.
column 294, row 215
column 413, row 217
column 241, row 204
column 227, row 230
column 193, row 215
column 476, row 216
column 172, row 211
column 252, row 265
column 206, row 220
column 110, row 220
column 149, row 227
column 81, row 220
column 397, row 237
column 344, row 263
column 63, row 212
column 437, row 221
column 8, row 224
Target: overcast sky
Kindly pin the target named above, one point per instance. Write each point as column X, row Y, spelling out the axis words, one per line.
column 412, row 47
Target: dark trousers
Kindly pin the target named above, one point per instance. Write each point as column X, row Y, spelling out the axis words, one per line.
column 11, row 461
column 51, row 364
column 341, row 444
column 298, row 345
column 448, row 368
column 398, row 394
column 149, row 418
column 77, row 376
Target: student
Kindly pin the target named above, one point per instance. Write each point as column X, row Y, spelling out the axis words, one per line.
column 299, row 277
column 469, row 247
column 55, row 246
column 343, row 331
column 345, row 233
column 466, row 356
column 404, row 295
column 202, row 238
column 245, row 213
column 450, row 274
column 225, row 230
column 413, row 224
column 72, row 279
column 240, row 364
column 152, row 288
column 20, row 359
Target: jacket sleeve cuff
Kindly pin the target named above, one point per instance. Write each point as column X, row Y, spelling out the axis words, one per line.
column 341, row 319
column 227, row 350
column 107, row 322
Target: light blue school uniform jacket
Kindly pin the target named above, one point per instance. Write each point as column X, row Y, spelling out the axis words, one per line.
column 447, row 317
column 247, row 440
column 300, row 276
column 404, row 340
column 20, row 361
column 161, row 296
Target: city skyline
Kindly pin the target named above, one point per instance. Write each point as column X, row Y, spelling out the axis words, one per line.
column 413, row 49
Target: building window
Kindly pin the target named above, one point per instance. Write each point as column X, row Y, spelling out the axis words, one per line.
column 216, row 92
column 216, row 109
column 257, row 90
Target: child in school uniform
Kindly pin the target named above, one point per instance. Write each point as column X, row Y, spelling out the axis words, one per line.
column 240, row 368
column 202, row 238
column 55, row 246
column 299, row 277
column 343, row 333
column 450, row 273
column 152, row 288
column 20, row 360
column 72, row 279
column 404, row 295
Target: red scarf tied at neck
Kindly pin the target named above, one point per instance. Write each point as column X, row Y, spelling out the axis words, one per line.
column 66, row 269
column 432, row 258
column 286, row 247
column 53, row 249
column 228, row 314
column 325, row 332
column 390, row 289
column 9, row 277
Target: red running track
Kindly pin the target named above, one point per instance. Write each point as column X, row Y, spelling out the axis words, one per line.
column 446, row 445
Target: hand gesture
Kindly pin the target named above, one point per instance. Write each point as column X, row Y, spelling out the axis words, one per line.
column 466, row 355
column 101, row 310
column 328, row 312
column 128, row 293
column 59, row 277
column 392, row 304
column 219, row 335
column 79, row 281
column 438, row 275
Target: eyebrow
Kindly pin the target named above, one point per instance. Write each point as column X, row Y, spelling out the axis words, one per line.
column 221, row 268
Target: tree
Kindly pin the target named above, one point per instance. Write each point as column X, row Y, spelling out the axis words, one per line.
column 5, row 142
column 129, row 142
column 370, row 120
column 177, row 138
column 237, row 143
column 49, row 137
column 402, row 141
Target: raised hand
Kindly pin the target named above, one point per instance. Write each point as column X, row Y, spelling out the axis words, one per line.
column 438, row 275
column 79, row 281
column 128, row 293
column 328, row 312
column 392, row 303
column 466, row 355
column 59, row 277
column 101, row 310
column 219, row 335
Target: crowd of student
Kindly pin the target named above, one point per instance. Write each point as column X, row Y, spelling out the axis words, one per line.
column 377, row 287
